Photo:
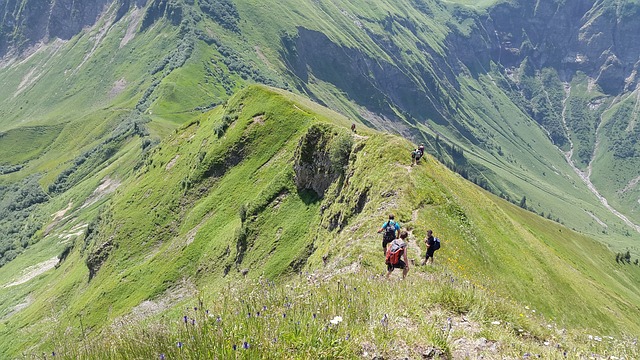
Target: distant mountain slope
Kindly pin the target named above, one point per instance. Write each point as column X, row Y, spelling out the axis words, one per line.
column 271, row 184
column 497, row 94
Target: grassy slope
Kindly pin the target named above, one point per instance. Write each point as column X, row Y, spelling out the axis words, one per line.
column 130, row 271
column 167, row 236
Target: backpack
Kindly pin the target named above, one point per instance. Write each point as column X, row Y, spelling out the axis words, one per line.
column 436, row 244
column 394, row 254
column 390, row 231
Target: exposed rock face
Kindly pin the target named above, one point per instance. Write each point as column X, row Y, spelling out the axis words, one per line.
column 312, row 167
column 599, row 38
column 24, row 23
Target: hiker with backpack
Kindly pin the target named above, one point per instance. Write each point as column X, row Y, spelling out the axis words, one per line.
column 396, row 256
column 417, row 154
column 433, row 244
column 390, row 230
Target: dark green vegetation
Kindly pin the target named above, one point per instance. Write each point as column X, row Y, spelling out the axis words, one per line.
column 126, row 164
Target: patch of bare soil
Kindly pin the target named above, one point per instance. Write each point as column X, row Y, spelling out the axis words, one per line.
column 171, row 163
column 33, row 271
column 262, row 57
column 57, row 217
column 259, row 119
column 184, row 290
column 134, row 20
column 117, row 88
column 107, row 186
column 19, row 307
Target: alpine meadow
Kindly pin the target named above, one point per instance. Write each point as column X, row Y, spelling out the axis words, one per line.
column 206, row 179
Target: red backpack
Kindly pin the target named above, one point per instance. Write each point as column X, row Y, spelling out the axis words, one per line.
column 394, row 254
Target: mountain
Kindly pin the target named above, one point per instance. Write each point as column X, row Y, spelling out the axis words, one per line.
column 534, row 102
column 270, row 185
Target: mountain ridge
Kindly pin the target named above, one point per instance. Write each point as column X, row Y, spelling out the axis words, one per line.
column 192, row 213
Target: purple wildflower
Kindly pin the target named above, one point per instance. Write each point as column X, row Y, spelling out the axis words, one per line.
column 53, row 353
column 258, row 314
column 185, row 319
column 179, row 345
column 249, row 315
column 234, row 347
column 245, row 345
column 348, row 337
column 264, row 308
column 193, row 321
column 274, row 340
column 195, row 308
column 218, row 318
column 206, row 311
column 385, row 320
column 314, row 315
column 284, row 315
column 162, row 357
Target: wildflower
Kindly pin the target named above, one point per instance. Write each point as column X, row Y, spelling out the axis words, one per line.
column 179, row 345
column 274, row 340
column 284, row 315
column 185, row 319
column 495, row 322
column 218, row 318
column 264, row 308
column 314, row 315
column 53, row 353
column 258, row 314
column 385, row 320
column 193, row 321
column 245, row 345
column 336, row 320
column 249, row 315
column 206, row 311
column 195, row 308
column 234, row 347
column 348, row 337
column 162, row 357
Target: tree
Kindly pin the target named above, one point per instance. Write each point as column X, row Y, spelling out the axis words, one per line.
column 523, row 202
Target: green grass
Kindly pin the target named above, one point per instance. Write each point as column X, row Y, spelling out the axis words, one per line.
column 175, row 224
column 175, row 221
column 346, row 316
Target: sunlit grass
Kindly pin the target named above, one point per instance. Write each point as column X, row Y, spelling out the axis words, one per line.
column 353, row 315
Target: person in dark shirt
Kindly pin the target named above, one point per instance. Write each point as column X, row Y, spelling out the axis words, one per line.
column 430, row 241
column 390, row 230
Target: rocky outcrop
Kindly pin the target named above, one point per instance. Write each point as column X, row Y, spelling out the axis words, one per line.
column 24, row 23
column 599, row 38
column 313, row 168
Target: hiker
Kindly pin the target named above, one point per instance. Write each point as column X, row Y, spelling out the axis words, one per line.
column 396, row 257
column 391, row 231
column 353, row 127
column 417, row 154
column 433, row 244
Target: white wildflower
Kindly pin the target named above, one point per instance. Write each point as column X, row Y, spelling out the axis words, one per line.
column 495, row 322
column 336, row 320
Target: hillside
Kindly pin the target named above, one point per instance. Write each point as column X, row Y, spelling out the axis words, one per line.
column 270, row 185
column 157, row 153
column 456, row 77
